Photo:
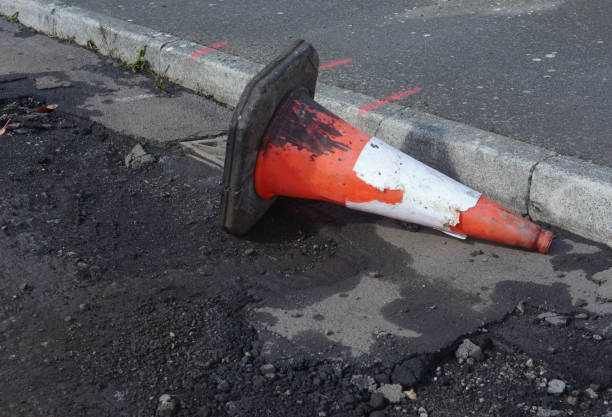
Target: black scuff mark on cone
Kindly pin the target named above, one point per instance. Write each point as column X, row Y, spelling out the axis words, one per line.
column 303, row 123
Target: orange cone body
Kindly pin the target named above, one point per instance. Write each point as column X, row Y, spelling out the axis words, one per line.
column 307, row 152
column 310, row 153
column 490, row 221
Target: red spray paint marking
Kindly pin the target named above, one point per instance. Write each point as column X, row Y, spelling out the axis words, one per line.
column 384, row 101
column 334, row 64
column 210, row 48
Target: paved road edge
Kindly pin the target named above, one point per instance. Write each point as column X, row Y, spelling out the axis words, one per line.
column 563, row 191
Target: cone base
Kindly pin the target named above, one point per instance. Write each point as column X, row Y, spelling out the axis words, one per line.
column 296, row 68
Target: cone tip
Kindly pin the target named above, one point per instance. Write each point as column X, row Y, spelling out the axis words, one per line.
column 544, row 241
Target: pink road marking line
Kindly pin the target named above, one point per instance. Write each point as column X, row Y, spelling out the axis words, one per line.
column 210, row 48
column 389, row 99
column 334, row 64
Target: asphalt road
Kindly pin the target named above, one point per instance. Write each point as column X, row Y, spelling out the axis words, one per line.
column 536, row 70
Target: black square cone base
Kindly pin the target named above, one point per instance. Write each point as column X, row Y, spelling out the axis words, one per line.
column 296, row 68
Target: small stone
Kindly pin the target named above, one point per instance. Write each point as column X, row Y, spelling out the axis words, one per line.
column 84, row 307
column 581, row 316
column 553, row 318
column 520, row 308
column 328, row 332
column 411, row 395
column 363, row 382
column 377, row 400
column 597, row 337
column 232, row 408
column 24, row 287
column 409, row 372
column 138, row 158
column 82, row 265
column 423, row 412
column 392, row 392
column 204, row 412
column 221, row 398
column 166, row 407
column 68, row 319
column 267, row 369
column 545, row 412
column 556, row 387
column 578, row 302
column 249, row 252
column 375, row 274
column 529, row 363
column 590, row 392
column 571, row 400
column 259, row 380
column 223, row 386
column 467, row 349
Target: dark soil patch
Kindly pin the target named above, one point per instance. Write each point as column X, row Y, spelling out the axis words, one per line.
column 118, row 286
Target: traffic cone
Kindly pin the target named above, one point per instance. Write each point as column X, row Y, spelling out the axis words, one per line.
column 283, row 143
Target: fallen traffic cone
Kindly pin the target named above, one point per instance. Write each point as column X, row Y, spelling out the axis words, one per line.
column 283, row 143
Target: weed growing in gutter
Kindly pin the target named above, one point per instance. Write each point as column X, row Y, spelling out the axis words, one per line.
column 14, row 18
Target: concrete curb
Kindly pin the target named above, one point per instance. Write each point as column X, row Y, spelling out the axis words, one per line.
column 562, row 191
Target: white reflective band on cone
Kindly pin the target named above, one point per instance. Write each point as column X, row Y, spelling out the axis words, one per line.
column 430, row 198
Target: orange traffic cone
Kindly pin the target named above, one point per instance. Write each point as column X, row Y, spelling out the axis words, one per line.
column 282, row 142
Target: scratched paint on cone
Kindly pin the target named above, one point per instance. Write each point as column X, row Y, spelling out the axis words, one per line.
column 308, row 152
column 430, row 198
column 308, row 126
